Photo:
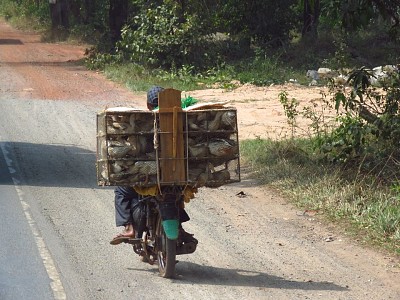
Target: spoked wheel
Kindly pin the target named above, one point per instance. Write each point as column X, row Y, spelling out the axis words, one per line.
column 166, row 252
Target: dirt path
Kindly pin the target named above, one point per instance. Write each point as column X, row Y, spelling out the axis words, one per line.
column 257, row 246
column 51, row 71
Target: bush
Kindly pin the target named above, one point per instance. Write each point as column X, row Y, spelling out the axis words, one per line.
column 369, row 121
column 158, row 38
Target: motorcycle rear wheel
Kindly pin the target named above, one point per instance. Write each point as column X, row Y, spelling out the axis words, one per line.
column 166, row 252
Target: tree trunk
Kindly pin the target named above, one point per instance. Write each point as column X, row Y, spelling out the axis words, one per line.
column 59, row 13
column 90, row 11
column 311, row 12
column 181, row 11
column 118, row 15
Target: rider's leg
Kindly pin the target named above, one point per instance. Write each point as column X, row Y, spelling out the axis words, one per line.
column 124, row 199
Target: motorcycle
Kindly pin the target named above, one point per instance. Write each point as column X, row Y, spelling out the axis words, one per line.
column 158, row 238
column 175, row 151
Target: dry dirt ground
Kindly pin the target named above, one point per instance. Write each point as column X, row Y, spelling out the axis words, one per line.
column 316, row 260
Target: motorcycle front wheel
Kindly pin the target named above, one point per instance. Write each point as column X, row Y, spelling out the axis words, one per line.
column 166, row 252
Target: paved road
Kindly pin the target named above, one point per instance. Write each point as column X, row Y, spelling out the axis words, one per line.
column 22, row 272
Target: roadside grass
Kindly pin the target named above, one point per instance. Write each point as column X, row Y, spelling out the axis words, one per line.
column 139, row 78
column 24, row 23
column 370, row 210
column 28, row 18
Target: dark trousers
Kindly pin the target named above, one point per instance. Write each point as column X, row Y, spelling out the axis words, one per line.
column 127, row 200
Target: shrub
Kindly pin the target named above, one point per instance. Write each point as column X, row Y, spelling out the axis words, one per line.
column 158, row 38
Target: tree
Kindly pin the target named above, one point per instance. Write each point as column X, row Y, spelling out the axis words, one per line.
column 117, row 16
column 311, row 13
column 356, row 14
column 59, row 13
column 267, row 23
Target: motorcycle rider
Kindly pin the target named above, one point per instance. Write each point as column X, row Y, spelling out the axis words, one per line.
column 128, row 209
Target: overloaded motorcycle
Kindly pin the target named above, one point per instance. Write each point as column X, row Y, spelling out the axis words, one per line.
column 175, row 151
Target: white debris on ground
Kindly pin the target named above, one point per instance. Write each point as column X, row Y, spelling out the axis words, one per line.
column 378, row 76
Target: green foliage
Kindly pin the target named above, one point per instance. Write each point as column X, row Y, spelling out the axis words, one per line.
column 99, row 61
column 290, row 108
column 257, row 21
column 9, row 9
column 367, row 128
column 356, row 14
column 341, row 58
column 319, row 124
column 158, row 38
column 133, row 76
column 276, row 160
column 350, row 172
column 292, row 167
column 347, row 141
column 185, row 74
column 370, row 126
column 186, row 77
column 384, row 217
column 223, row 73
column 262, row 69
column 25, row 13
column 352, row 15
column 138, row 78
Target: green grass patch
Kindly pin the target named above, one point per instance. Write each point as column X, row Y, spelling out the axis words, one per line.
column 290, row 166
column 138, row 78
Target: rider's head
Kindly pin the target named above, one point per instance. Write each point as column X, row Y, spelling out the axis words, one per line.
column 152, row 97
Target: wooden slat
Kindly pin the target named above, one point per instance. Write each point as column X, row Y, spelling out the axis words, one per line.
column 172, row 158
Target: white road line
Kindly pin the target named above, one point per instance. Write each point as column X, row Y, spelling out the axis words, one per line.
column 55, row 284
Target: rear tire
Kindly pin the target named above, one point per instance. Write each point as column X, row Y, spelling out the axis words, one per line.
column 166, row 252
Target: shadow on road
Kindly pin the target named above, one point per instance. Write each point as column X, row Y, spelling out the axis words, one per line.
column 50, row 165
column 73, row 65
column 191, row 273
column 10, row 42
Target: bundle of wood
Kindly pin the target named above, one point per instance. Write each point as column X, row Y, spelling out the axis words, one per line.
column 126, row 154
